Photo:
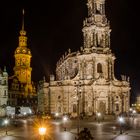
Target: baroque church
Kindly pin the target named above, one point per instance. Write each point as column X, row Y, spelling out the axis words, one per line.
column 22, row 91
column 85, row 81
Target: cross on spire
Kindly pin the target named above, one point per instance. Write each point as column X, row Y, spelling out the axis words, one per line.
column 23, row 12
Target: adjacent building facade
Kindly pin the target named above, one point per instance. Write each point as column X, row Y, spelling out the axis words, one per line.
column 85, row 81
column 3, row 91
column 43, row 97
column 136, row 105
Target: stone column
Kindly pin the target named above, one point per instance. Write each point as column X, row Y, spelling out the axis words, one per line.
column 112, row 105
column 109, row 105
column 83, row 100
column 112, row 70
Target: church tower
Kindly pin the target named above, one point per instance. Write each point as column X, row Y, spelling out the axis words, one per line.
column 96, row 36
column 22, row 68
column 96, row 29
column 22, row 90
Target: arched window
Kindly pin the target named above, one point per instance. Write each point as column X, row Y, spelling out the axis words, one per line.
column 5, row 93
column 59, row 109
column 59, row 97
column 99, row 68
column 74, row 108
column 117, row 107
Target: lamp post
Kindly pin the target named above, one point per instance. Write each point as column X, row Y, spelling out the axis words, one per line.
column 42, row 132
column 133, row 113
column 130, row 112
column 114, row 128
column 121, row 121
column 65, row 118
column 98, row 117
column 24, row 114
column 6, row 123
column 130, row 109
column 56, row 115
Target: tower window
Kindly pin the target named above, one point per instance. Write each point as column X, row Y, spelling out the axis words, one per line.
column 98, row 8
column 117, row 107
column 99, row 68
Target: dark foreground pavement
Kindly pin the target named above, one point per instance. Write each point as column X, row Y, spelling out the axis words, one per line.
column 105, row 130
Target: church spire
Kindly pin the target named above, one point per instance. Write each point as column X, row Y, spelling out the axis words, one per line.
column 22, row 37
column 23, row 19
column 99, row 7
column 96, row 7
column 4, row 68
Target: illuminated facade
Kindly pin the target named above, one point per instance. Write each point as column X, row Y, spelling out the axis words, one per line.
column 22, row 86
column 3, row 91
column 85, row 79
column 136, row 105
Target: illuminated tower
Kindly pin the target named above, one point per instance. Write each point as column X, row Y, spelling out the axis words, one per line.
column 22, row 69
column 96, row 29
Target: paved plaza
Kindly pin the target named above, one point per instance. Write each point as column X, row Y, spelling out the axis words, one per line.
column 104, row 130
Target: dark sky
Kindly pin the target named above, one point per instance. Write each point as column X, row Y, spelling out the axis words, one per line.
column 54, row 26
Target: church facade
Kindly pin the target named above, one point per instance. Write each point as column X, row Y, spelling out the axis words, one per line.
column 85, row 81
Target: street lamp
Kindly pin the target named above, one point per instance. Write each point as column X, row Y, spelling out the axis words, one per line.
column 133, row 113
column 130, row 112
column 6, row 123
column 121, row 121
column 42, row 132
column 65, row 118
column 56, row 115
column 98, row 116
column 24, row 114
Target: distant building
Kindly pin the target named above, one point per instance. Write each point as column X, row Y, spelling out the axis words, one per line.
column 43, row 96
column 136, row 105
column 138, row 100
column 3, row 91
column 22, row 91
column 85, row 81
column 23, row 111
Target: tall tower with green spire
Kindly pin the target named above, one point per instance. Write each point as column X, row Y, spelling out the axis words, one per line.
column 22, row 68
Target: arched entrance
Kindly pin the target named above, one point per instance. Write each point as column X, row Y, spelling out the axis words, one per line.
column 102, row 107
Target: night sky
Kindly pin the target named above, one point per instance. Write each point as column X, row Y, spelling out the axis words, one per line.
column 54, row 26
